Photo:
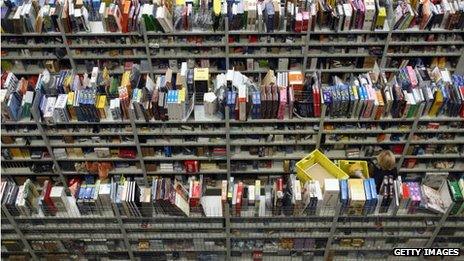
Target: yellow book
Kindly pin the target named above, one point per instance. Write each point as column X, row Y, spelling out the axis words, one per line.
column 216, row 6
column 125, row 81
column 69, row 105
column 201, row 74
column 101, row 104
column 181, row 96
column 381, row 16
column 67, row 83
column 332, row 3
column 437, row 103
column 357, row 195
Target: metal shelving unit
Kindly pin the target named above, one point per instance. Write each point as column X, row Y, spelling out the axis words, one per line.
column 333, row 223
column 130, row 229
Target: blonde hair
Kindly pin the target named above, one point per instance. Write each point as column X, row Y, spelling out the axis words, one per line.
column 386, row 160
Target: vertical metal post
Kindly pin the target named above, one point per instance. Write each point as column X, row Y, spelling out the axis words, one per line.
column 137, row 143
column 411, row 134
column 305, row 50
column 123, row 232
column 333, row 228
column 321, row 126
column 226, row 34
column 226, row 210
column 147, row 47
column 68, row 50
column 439, row 226
column 383, row 60
column 19, row 232
column 36, row 117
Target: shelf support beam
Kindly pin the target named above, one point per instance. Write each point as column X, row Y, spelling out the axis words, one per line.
column 137, row 142
column 333, row 228
column 227, row 210
column 321, row 127
column 123, row 232
column 68, row 50
column 226, row 34
column 35, row 115
column 147, row 47
column 411, row 134
column 440, row 224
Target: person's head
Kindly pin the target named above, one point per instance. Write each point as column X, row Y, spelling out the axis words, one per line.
column 386, row 160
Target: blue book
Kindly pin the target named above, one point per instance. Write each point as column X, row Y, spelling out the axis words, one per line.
column 367, row 191
column 373, row 193
column 231, row 103
column 256, row 105
column 344, row 195
column 167, row 151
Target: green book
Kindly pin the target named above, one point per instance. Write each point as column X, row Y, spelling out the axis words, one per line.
column 149, row 25
column 114, row 87
column 457, row 197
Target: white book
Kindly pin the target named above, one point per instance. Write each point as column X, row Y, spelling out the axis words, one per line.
column 212, row 206
column 348, row 11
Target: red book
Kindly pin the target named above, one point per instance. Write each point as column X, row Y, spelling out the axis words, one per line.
column 194, row 199
column 191, row 166
column 238, row 204
column 305, row 21
column 253, row 39
column 298, row 22
column 280, row 187
column 47, row 200
column 125, row 16
column 410, row 163
column 397, row 149
column 74, row 185
column 317, row 102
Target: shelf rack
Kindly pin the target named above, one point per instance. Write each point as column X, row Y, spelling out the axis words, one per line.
column 271, row 227
column 231, row 223
column 232, row 134
column 304, row 53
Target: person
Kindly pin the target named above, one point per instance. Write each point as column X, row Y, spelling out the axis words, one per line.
column 383, row 165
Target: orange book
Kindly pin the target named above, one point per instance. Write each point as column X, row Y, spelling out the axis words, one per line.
column 125, row 16
column 380, row 108
column 296, row 80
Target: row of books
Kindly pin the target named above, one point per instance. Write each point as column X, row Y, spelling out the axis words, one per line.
column 441, row 94
column 429, row 14
column 69, row 96
column 281, row 196
column 125, row 16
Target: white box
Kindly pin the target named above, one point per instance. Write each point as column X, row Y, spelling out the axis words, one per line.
column 331, row 192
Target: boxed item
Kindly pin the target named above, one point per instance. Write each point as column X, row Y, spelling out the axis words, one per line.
column 346, row 164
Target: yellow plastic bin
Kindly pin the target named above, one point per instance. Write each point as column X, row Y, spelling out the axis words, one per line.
column 305, row 166
column 345, row 166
